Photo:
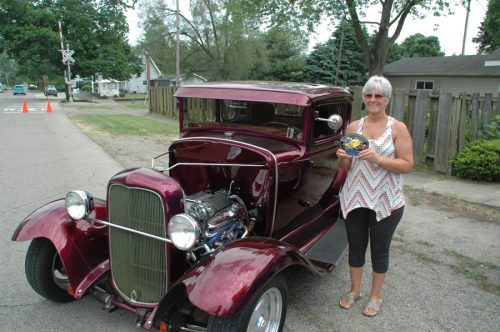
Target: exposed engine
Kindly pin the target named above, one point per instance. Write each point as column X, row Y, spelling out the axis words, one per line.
column 222, row 218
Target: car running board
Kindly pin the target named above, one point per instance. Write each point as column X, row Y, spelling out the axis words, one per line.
column 328, row 251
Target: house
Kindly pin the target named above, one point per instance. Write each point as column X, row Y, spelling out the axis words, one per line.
column 455, row 74
column 136, row 84
column 169, row 80
column 107, row 88
column 139, row 84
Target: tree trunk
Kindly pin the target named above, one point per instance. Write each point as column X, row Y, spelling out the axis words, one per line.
column 375, row 52
column 377, row 58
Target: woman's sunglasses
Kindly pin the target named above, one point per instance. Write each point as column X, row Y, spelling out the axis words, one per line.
column 376, row 96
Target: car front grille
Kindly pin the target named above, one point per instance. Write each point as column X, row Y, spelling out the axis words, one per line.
column 138, row 263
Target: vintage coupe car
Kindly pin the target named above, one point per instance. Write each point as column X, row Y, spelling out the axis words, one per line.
column 250, row 193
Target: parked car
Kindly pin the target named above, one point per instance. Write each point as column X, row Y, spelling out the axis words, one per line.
column 250, row 191
column 19, row 90
column 1, row 88
column 32, row 87
column 50, row 91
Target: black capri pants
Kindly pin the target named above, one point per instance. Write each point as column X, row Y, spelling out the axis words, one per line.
column 362, row 224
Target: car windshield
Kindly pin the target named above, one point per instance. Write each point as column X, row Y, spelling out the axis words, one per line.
column 281, row 119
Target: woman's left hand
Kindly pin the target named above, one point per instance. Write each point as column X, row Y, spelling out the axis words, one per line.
column 369, row 155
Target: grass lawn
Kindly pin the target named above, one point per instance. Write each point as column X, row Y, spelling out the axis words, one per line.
column 94, row 107
column 138, row 96
column 136, row 105
column 123, row 125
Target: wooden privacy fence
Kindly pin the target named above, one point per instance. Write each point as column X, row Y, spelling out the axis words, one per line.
column 439, row 123
column 162, row 101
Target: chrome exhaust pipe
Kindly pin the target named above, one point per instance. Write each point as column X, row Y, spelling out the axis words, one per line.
column 101, row 295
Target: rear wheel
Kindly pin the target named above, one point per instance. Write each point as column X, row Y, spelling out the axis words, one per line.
column 266, row 313
column 45, row 271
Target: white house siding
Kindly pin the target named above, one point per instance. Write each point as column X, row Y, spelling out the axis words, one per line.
column 138, row 84
column 455, row 85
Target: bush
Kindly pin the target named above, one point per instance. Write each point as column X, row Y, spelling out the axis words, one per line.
column 480, row 160
column 86, row 87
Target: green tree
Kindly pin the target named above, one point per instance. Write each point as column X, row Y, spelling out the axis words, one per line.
column 393, row 14
column 418, row 45
column 8, row 70
column 282, row 57
column 95, row 30
column 488, row 36
column 209, row 36
column 158, row 39
column 323, row 64
column 220, row 41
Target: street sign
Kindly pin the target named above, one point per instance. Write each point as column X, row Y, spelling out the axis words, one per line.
column 67, row 56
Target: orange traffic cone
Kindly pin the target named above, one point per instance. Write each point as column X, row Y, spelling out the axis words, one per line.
column 25, row 107
column 49, row 109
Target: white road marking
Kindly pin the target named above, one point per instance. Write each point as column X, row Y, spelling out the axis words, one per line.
column 19, row 109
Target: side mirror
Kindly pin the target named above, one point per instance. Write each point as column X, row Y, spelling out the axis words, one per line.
column 334, row 121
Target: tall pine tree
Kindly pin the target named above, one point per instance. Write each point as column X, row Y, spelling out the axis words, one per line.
column 488, row 37
column 323, row 65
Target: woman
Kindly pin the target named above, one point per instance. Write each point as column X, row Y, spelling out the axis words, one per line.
column 372, row 198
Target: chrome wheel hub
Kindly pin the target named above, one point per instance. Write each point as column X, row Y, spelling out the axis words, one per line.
column 267, row 313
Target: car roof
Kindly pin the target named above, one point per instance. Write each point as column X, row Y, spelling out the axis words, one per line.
column 302, row 94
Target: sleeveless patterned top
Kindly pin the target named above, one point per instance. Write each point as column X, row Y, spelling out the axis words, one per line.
column 371, row 186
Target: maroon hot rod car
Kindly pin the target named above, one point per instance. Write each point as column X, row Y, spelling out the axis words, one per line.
column 250, row 191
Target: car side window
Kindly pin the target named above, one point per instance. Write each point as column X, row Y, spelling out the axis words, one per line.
column 320, row 128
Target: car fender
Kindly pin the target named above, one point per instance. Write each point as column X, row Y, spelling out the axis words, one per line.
column 227, row 280
column 80, row 246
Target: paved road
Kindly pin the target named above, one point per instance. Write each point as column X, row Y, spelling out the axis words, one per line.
column 429, row 288
column 43, row 156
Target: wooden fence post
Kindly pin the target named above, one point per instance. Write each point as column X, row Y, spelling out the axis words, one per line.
column 357, row 102
column 474, row 106
column 421, row 107
column 431, row 139
column 411, row 110
column 398, row 104
column 443, row 132
column 497, row 111
column 462, row 122
column 488, row 98
column 454, row 128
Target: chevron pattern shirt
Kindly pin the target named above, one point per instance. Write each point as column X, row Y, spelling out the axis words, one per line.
column 371, row 186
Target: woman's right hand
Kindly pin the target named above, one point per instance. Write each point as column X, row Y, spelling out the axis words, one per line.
column 344, row 158
column 342, row 154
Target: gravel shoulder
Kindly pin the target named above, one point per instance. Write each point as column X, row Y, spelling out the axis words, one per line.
column 444, row 271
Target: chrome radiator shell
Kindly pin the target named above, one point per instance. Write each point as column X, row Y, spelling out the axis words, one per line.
column 138, row 263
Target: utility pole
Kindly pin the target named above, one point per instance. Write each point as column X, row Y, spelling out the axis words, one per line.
column 339, row 57
column 177, row 49
column 68, row 60
column 465, row 29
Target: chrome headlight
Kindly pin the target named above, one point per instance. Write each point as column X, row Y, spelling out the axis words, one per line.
column 184, row 231
column 79, row 204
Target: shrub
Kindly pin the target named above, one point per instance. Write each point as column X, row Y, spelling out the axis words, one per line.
column 491, row 131
column 86, row 87
column 480, row 160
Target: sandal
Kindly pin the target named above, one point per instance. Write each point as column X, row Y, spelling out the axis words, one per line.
column 349, row 298
column 374, row 306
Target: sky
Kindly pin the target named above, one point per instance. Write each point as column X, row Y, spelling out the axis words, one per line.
column 449, row 29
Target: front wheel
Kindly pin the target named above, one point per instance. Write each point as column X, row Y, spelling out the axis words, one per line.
column 45, row 271
column 266, row 313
